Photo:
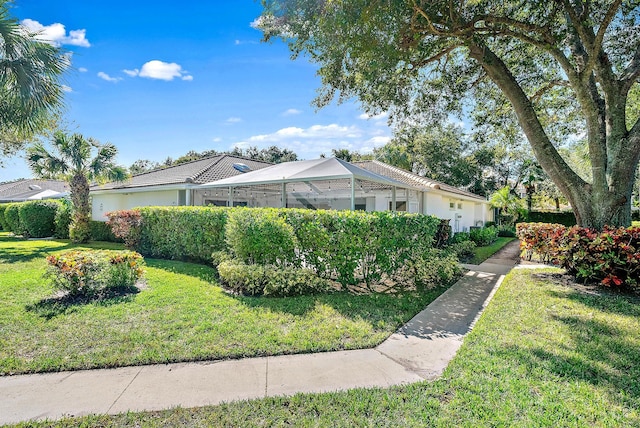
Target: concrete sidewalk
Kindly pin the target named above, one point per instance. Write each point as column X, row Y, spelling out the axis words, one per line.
column 420, row 350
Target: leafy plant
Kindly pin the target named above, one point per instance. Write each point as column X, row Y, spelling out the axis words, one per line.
column 484, row 236
column 89, row 272
column 126, row 225
column 270, row 280
column 611, row 257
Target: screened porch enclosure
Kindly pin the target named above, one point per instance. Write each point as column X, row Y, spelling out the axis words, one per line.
column 337, row 194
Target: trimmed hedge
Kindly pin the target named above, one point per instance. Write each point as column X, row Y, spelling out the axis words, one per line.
column 566, row 218
column 260, row 237
column 358, row 246
column 100, row 231
column 37, row 218
column 182, row 233
column 348, row 246
column 611, row 257
column 63, row 219
column 270, row 280
column 3, row 223
column 12, row 217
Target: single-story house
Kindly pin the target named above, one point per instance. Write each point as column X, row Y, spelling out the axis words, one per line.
column 173, row 185
column 327, row 183
column 336, row 184
column 32, row 189
column 463, row 208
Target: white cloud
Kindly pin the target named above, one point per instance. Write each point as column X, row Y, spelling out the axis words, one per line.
column 132, row 73
column 66, row 88
column 291, row 112
column 234, row 120
column 216, row 139
column 310, row 142
column 56, row 34
column 379, row 116
column 82, row 70
column 332, row 132
column 108, row 78
column 160, row 70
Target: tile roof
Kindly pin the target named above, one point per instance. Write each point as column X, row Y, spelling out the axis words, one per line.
column 22, row 189
column 197, row 172
column 412, row 179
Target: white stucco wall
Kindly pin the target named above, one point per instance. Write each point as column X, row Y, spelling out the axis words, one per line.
column 103, row 203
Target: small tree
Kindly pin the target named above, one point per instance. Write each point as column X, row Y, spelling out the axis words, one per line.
column 509, row 204
column 73, row 159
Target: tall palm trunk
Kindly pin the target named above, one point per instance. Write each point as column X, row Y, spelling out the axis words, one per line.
column 79, row 230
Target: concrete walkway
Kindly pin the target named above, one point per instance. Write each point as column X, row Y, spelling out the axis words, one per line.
column 420, row 350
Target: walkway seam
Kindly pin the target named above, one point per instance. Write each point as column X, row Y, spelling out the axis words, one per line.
column 125, row 389
column 266, row 377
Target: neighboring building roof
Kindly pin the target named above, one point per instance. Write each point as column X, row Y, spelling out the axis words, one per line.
column 194, row 172
column 307, row 170
column 25, row 189
column 412, row 179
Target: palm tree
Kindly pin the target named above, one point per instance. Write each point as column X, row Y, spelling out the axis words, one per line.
column 31, row 91
column 508, row 203
column 72, row 159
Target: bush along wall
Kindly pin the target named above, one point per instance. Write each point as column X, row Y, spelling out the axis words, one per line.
column 12, row 218
column 350, row 247
column 179, row 233
column 566, row 218
column 100, row 231
column 3, row 223
column 37, row 218
column 611, row 257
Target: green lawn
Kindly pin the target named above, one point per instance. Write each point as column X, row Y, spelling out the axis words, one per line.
column 481, row 254
column 543, row 354
column 181, row 315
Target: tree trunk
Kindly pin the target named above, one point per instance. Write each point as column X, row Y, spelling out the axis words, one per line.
column 79, row 230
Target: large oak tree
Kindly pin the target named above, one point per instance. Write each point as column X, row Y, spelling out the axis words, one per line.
column 564, row 68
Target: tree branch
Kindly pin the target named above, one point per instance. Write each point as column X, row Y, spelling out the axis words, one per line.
column 540, row 92
column 437, row 56
column 632, row 72
column 546, row 153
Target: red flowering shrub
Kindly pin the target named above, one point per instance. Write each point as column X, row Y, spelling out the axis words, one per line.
column 88, row 272
column 611, row 257
column 126, row 225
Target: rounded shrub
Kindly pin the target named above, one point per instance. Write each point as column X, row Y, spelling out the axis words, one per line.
column 12, row 218
column 90, row 272
column 37, row 218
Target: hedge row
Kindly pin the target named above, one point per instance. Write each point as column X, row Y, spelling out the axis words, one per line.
column 348, row 246
column 566, row 218
column 41, row 219
column 611, row 257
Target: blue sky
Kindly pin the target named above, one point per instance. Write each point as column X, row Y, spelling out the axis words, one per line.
column 159, row 78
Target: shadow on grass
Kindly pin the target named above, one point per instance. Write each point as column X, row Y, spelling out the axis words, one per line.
column 28, row 250
column 66, row 304
column 378, row 309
